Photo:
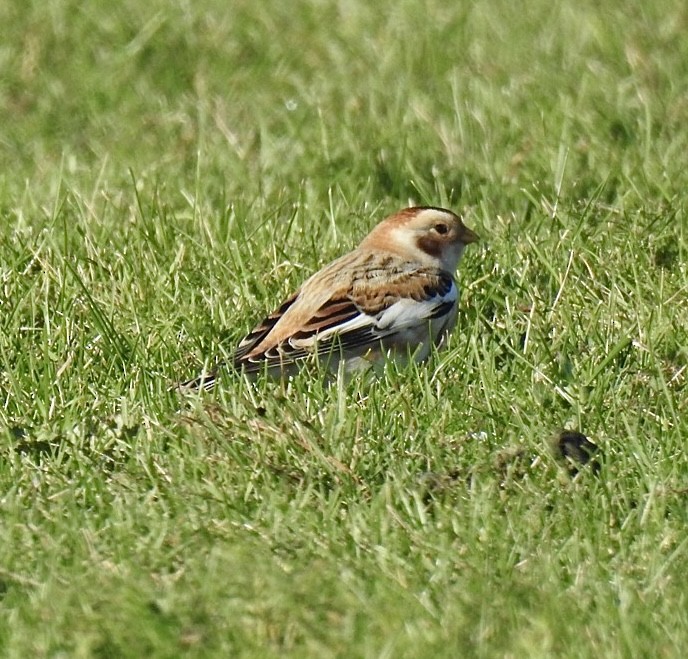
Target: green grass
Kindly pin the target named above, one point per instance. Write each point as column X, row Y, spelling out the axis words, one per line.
column 170, row 170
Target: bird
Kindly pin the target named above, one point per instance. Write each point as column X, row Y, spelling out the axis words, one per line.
column 395, row 295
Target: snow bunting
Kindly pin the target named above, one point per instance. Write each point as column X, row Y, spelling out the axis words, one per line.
column 394, row 294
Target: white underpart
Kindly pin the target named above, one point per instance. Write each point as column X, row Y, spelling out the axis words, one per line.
column 406, row 327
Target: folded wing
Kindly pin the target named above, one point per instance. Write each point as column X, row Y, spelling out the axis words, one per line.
column 374, row 306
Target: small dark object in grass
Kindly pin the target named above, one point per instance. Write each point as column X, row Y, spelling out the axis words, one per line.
column 434, row 484
column 621, row 133
column 573, row 449
column 28, row 445
column 667, row 254
column 18, row 432
column 37, row 448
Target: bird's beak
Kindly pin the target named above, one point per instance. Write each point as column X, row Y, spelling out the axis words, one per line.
column 467, row 236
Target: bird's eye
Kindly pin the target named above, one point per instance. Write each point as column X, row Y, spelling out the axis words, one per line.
column 441, row 228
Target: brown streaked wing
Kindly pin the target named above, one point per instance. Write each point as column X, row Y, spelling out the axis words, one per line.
column 256, row 335
column 374, row 295
column 369, row 294
column 329, row 315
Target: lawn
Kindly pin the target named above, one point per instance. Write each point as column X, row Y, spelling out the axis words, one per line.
column 169, row 171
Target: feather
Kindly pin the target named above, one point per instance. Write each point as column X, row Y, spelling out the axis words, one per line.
column 394, row 292
column 377, row 305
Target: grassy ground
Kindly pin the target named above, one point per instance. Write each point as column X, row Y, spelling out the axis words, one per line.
column 170, row 170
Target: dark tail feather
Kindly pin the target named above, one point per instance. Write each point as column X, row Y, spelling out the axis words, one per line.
column 204, row 382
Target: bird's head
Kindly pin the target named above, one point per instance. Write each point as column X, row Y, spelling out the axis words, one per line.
column 431, row 236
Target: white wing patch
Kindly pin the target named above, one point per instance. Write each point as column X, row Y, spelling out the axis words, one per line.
column 362, row 322
column 406, row 324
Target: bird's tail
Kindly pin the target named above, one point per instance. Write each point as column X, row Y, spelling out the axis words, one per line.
column 203, row 382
